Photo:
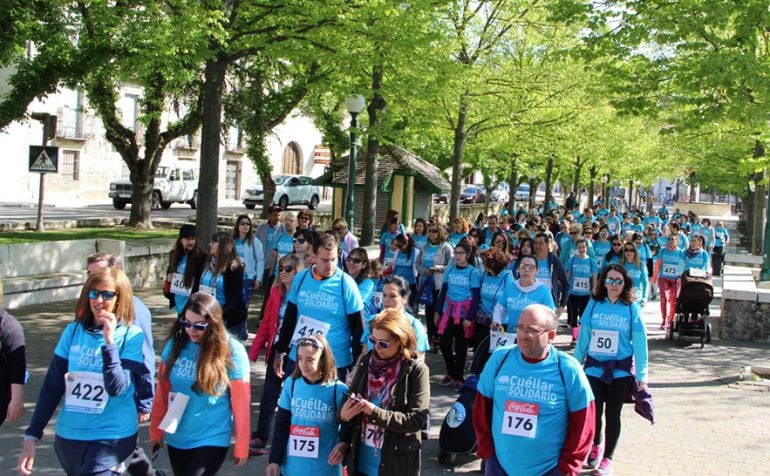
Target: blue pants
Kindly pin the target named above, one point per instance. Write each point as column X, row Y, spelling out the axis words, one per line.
column 93, row 458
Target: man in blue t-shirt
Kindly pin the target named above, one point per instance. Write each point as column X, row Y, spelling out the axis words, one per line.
column 534, row 409
column 323, row 299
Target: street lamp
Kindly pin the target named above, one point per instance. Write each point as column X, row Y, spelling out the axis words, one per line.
column 354, row 104
column 532, row 187
column 604, row 179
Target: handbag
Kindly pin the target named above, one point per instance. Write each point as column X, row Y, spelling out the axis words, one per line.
column 425, row 296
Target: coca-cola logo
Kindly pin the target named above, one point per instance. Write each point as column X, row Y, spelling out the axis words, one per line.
column 522, row 407
column 298, row 430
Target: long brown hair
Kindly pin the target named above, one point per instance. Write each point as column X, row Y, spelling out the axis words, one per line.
column 292, row 260
column 214, row 359
column 124, row 300
column 327, row 366
column 226, row 255
column 237, row 230
column 394, row 323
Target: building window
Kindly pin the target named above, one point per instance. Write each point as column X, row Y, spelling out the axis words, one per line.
column 70, row 165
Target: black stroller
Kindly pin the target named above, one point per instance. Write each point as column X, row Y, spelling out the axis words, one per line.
column 692, row 308
column 457, row 436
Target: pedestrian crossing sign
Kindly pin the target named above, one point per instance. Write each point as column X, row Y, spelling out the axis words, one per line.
column 43, row 159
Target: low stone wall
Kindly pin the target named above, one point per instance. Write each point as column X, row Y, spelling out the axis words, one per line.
column 146, row 261
column 469, row 211
column 745, row 308
column 703, row 209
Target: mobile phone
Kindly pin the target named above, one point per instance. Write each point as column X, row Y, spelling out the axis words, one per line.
column 352, row 396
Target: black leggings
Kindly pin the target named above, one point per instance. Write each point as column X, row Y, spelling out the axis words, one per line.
column 576, row 305
column 455, row 361
column 201, row 461
column 429, row 312
column 609, row 402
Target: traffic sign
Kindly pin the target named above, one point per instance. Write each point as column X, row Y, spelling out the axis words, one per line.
column 43, row 159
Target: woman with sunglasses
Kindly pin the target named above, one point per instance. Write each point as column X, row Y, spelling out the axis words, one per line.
column 388, row 404
column 267, row 335
column 203, row 385
column 581, row 273
column 502, row 242
column 308, row 436
column 615, row 254
column 460, row 229
column 455, row 313
column 252, row 256
column 612, row 341
column 223, row 279
column 477, row 235
column 98, row 370
column 637, row 271
column 303, row 246
column 431, row 264
column 358, row 269
column 305, row 220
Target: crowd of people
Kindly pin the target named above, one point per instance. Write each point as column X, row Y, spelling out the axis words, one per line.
column 345, row 336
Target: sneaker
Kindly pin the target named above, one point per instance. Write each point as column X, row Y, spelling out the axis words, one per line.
column 594, row 456
column 257, row 447
column 662, row 325
column 448, row 380
column 458, row 385
column 605, row 467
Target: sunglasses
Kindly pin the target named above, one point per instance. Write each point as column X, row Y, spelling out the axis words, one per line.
column 355, row 260
column 433, row 230
column 574, row 232
column 629, row 250
column 616, row 244
column 301, row 241
column 527, row 266
column 285, row 269
column 198, row 326
column 381, row 344
column 337, row 228
column 106, row 295
column 613, row 281
column 245, row 223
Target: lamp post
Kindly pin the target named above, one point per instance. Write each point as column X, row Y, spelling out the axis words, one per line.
column 604, row 179
column 354, row 104
column 532, row 187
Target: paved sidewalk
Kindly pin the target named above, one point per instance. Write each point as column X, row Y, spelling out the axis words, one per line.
column 704, row 427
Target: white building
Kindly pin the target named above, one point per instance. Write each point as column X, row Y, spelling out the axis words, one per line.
column 88, row 162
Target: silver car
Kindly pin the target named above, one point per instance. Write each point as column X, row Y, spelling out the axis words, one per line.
column 289, row 190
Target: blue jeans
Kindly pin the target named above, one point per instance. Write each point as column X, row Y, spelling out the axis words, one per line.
column 98, row 457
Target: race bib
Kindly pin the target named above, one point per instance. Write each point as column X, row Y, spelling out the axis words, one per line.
column 373, row 435
column 670, row 269
column 520, row 419
column 387, row 262
column 581, row 284
column 303, row 441
column 177, row 285
column 377, row 299
column 210, row 290
column 307, row 326
column 500, row 339
column 85, row 392
column 604, row 343
column 698, row 273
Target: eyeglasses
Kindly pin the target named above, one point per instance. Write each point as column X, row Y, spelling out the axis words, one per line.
column 629, row 250
column 613, row 281
column 527, row 266
column 247, row 223
column 198, row 326
column 303, row 218
column 106, row 295
column 355, row 260
column 433, row 230
column 530, row 331
column 286, row 269
column 381, row 344
column 301, row 241
column 460, row 252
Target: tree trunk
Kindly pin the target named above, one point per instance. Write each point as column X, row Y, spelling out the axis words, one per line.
column 591, row 180
column 578, row 169
column 142, row 181
column 548, row 179
column 457, row 157
column 369, row 207
column 208, row 178
column 760, row 200
column 513, row 184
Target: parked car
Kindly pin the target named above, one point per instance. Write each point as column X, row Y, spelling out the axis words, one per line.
column 522, row 193
column 171, row 184
column 289, row 190
column 473, row 194
column 500, row 193
column 440, row 198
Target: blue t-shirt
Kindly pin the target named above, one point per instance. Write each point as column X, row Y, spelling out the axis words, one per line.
column 79, row 419
column 461, row 282
column 601, row 249
column 284, row 245
column 404, row 265
column 721, row 235
column 180, row 300
column 531, row 403
column 314, row 430
column 639, row 279
column 386, row 238
column 207, row 419
column 455, row 238
column 544, row 272
column 491, row 287
column 613, row 223
column 214, row 287
column 420, row 240
column 366, row 288
column 515, row 298
column 581, row 273
column 613, row 332
column 672, row 263
column 429, row 255
column 330, row 301
column 700, row 260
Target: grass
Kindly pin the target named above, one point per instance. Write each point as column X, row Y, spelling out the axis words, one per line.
column 115, row 233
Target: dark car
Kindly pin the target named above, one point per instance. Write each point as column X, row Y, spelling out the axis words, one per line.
column 473, row 194
column 440, row 198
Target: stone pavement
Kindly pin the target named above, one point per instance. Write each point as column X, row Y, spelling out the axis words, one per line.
column 704, row 427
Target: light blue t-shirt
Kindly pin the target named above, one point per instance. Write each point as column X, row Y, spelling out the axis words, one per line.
column 639, row 279
column 330, row 301
column 491, row 287
column 601, row 249
column 581, row 272
column 420, row 240
column 218, row 285
column 314, row 430
column 514, row 298
column 455, row 238
column 207, row 419
column 429, row 255
column 404, row 265
column 461, row 282
column 672, row 263
column 700, row 260
column 78, row 418
column 284, row 245
column 531, row 403
column 613, row 332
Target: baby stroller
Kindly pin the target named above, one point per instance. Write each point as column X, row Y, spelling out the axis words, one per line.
column 457, row 436
column 692, row 307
